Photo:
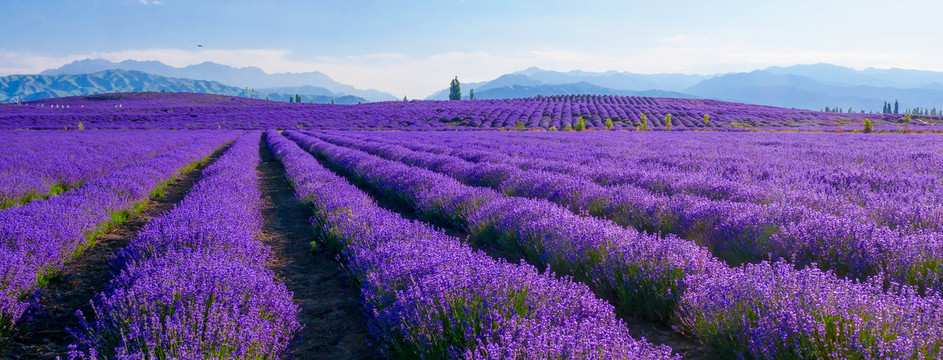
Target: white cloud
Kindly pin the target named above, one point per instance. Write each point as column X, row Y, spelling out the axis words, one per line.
column 151, row 2
column 30, row 63
column 417, row 77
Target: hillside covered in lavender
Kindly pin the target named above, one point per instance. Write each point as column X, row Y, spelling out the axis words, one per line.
column 596, row 112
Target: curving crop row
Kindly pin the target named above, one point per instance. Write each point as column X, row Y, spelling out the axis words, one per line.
column 193, row 282
column 893, row 182
column 38, row 165
column 737, row 232
column 428, row 295
column 765, row 310
column 38, row 238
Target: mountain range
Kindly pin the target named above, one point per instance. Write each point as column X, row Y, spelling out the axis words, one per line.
column 812, row 87
column 308, row 83
column 35, row 87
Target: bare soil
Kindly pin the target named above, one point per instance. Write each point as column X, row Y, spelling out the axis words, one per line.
column 334, row 326
column 45, row 334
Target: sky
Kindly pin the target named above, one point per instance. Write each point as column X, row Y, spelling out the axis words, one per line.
column 413, row 48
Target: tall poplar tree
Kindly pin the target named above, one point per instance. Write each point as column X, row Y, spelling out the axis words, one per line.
column 455, row 90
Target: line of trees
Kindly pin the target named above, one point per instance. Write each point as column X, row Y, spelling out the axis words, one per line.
column 840, row 110
column 891, row 108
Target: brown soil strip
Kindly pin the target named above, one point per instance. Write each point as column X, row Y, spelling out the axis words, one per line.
column 45, row 335
column 334, row 327
column 653, row 332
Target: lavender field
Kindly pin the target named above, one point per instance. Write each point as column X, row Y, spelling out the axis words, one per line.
column 168, row 226
column 597, row 112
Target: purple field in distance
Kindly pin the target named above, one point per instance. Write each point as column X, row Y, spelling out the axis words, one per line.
column 203, row 111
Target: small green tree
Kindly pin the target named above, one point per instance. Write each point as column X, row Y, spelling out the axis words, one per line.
column 291, row 99
column 81, row 126
column 404, row 98
column 553, row 128
column 580, row 124
column 455, row 89
column 568, row 128
column 706, row 119
column 609, row 124
column 907, row 122
column 644, row 120
column 868, row 126
column 520, row 126
column 668, row 122
column 332, row 100
column 471, row 94
column 297, row 98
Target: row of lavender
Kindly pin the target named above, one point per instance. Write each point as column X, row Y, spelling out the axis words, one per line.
column 761, row 310
column 193, row 282
column 201, row 111
column 758, row 168
column 38, row 238
column 36, row 165
column 428, row 295
column 892, row 182
column 886, row 180
column 841, row 237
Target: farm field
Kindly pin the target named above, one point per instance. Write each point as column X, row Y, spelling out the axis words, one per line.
column 476, row 180
column 307, row 243
column 562, row 112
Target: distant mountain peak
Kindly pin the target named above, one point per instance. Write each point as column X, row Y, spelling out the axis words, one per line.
column 33, row 87
column 529, row 71
column 252, row 77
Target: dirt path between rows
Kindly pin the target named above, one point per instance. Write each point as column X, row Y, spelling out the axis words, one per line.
column 329, row 299
column 46, row 334
column 653, row 332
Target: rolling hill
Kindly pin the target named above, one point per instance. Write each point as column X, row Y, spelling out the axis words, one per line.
column 156, row 110
column 811, row 87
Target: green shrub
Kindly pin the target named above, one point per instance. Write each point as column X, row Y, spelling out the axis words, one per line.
column 580, row 124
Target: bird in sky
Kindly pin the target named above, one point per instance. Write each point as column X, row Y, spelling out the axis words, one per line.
column 199, row 46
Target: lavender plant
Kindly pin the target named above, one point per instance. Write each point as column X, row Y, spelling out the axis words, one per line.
column 427, row 295
column 193, row 282
column 651, row 277
column 40, row 237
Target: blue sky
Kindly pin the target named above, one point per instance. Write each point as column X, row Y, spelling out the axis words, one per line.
column 414, row 47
